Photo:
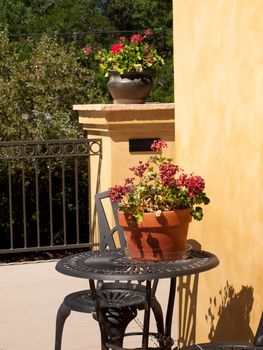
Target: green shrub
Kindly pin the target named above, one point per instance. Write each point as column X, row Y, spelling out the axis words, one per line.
column 37, row 92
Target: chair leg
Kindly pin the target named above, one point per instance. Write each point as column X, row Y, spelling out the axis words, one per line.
column 258, row 340
column 158, row 314
column 63, row 313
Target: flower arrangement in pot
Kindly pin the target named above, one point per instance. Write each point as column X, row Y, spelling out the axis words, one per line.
column 129, row 64
column 155, row 211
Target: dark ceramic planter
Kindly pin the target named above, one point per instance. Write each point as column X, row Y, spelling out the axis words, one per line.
column 129, row 88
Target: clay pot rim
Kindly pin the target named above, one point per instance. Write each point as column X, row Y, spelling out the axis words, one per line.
column 145, row 73
column 173, row 217
column 165, row 212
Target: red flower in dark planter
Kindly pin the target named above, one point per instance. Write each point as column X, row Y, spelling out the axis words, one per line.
column 129, row 55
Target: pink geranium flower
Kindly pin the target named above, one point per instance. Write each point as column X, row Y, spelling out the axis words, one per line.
column 148, row 32
column 122, row 39
column 161, row 186
column 88, row 49
column 136, row 38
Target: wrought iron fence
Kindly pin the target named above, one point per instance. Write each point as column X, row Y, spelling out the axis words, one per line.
column 45, row 194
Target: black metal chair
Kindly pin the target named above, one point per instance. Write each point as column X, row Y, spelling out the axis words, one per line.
column 120, row 301
column 256, row 345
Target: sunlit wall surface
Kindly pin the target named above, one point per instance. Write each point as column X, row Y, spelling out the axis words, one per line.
column 218, row 56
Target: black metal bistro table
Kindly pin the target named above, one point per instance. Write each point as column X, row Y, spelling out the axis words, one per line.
column 114, row 265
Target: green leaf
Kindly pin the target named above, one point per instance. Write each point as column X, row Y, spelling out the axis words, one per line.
column 197, row 213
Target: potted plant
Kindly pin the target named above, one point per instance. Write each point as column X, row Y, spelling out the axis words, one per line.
column 155, row 210
column 129, row 64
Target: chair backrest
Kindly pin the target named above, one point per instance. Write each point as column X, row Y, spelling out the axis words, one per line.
column 111, row 234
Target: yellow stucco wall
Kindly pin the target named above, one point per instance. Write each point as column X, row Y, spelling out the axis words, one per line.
column 219, row 126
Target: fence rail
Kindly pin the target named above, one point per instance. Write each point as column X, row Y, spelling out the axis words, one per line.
column 45, row 194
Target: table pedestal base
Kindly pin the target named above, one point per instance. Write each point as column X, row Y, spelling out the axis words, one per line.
column 165, row 342
column 117, row 320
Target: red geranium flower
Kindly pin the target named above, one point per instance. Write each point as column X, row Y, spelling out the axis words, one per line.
column 116, row 48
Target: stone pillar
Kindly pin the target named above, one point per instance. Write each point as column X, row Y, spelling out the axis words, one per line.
column 124, row 128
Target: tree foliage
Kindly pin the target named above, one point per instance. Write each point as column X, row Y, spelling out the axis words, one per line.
column 43, row 72
column 37, row 93
column 42, row 76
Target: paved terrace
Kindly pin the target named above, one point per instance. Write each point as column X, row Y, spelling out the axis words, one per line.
column 30, row 294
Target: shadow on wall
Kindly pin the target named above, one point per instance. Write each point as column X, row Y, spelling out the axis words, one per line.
column 233, row 315
column 187, row 297
column 228, row 315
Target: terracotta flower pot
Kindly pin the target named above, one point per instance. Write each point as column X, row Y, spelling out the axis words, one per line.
column 156, row 238
column 130, row 87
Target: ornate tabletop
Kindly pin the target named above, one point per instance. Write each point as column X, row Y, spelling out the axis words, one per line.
column 115, row 265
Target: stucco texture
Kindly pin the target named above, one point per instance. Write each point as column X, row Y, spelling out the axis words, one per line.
column 218, row 56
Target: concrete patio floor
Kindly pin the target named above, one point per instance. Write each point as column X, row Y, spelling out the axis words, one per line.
column 30, row 295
